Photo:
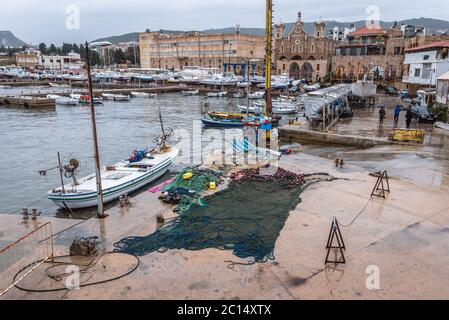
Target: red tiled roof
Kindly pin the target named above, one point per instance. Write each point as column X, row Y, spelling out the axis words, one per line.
column 368, row 30
column 432, row 45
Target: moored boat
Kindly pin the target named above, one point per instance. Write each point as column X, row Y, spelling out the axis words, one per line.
column 225, row 115
column 136, row 94
column 217, row 94
column 85, row 99
column 190, row 93
column 66, row 101
column 226, row 123
column 257, row 95
column 122, row 178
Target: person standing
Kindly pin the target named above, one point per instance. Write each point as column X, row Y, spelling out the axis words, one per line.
column 408, row 117
column 381, row 115
column 397, row 111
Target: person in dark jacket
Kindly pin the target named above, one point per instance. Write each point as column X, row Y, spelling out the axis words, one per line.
column 381, row 115
column 408, row 117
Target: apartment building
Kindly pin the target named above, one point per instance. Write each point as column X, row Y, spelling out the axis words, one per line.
column 225, row 52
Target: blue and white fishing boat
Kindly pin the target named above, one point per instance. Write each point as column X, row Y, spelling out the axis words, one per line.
column 225, row 123
column 121, row 178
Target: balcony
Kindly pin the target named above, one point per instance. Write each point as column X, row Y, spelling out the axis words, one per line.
column 405, row 78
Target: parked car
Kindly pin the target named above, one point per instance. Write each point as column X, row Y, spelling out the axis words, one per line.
column 404, row 93
column 391, row 90
column 422, row 114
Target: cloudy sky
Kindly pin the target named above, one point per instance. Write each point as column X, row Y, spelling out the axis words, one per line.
column 37, row 21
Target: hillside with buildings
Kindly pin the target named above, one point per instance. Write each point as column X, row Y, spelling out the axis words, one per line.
column 433, row 25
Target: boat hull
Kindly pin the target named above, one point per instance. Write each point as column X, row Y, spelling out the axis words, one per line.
column 221, row 123
column 86, row 200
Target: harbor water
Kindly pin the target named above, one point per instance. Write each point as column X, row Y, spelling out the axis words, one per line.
column 31, row 138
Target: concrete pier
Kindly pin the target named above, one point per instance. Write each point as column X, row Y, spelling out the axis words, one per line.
column 27, row 101
column 298, row 134
column 404, row 236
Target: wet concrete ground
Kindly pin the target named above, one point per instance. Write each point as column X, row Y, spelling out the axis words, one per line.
column 427, row 163
column 404, row 236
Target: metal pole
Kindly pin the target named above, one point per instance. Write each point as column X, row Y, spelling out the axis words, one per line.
column 60, row 173
column 100, row 213
column 268, row 41
column 247, row 91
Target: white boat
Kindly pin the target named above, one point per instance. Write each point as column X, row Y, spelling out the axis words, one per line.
column 108, row 96
column 217, row 94
column 257, row 79
column 312, row 87
column 242, row 84
column 250, row 109
column 76, row 96
column 238, row 95
column 115, row 97
column 66, row 101
column 279, row 107
column 173, row 80
column 189, row 80
column 122, row 178
column 257, row 95
column 135, row 94
column 190, row 93
column 121, row 97
column 220, row 80
column 57, row 85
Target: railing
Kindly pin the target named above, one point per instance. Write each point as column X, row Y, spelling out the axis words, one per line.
column 22, row 257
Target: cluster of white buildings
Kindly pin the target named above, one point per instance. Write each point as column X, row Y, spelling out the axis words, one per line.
column 32, row 58
column 425, row 64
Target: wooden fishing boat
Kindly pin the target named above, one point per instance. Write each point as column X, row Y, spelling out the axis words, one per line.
column 121, row 178
column 225, row 115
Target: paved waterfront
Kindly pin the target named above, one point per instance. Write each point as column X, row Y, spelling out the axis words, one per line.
column 405, row 236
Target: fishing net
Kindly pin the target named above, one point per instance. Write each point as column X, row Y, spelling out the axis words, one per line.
column 189, row 189
column 246, row 218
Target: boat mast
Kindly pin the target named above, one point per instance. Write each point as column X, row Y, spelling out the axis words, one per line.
column 268, row 46
column 100, row 213
column 162, row 127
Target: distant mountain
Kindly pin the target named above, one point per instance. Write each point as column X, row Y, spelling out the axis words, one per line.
column 434, row 25
column 127, row 37
column 8, row 39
